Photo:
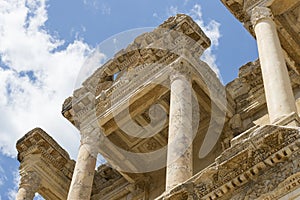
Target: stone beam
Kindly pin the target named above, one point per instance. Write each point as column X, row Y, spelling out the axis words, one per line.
column 280, row 6
column 45, row 167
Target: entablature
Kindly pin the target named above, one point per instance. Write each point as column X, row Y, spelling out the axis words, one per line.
column 40, row 154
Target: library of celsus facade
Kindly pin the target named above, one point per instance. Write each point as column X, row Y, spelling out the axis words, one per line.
column 170, row 130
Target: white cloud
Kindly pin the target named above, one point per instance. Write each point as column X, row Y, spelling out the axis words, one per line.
column 213, row 32
column 3, row 178
column 105, row 9
column 172, row 10
column 211, row 29
column 185, row 2
column 12, row 192
column 37, row 77
column 95, row 5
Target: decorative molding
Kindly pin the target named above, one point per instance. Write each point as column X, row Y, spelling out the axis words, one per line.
column 250, row 4
column 145, row 54
column 267, row 158
column 44, row 164
column 259, row 13
column 90, row 139
column 35, row 137
column 30, row 180
column 180, row 70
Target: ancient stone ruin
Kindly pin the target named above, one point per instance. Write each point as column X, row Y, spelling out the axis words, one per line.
column 169, row 129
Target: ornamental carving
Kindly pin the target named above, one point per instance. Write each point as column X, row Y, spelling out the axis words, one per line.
column 259, row 171
column 180, row 70
column 259, row 13
column 30, row 180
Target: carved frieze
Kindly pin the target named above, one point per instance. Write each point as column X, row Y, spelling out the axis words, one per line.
column 268, row 168
column 44, row 164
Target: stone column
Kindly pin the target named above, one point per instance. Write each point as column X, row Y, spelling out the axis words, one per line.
column 82, row 180
column 29, row 184
column 179, row 156
column 277, row 85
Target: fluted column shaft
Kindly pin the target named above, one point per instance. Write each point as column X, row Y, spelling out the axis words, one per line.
column 277, row 85
column 179, row 157
column 28, row 186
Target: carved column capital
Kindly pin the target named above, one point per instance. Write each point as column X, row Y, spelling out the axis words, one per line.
column 28, row 186
column 90, row 139
column 30, row 179
column 180, row 70
column 258, row 13
column 179, row 160
column 278, row 90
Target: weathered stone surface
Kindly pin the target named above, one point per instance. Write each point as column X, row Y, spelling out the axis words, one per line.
column 45, row 167
column 248, row 94
column 29, row 185
column 179, row 159
column 81, row 185
column 286, row 15
column 278, row 90
column 252, row 169
column 251, row 159
column 122, row 105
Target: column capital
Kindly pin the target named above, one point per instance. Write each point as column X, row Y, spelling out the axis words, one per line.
column 30, row 179
column 90, row 139
column 180, row 137
column 278, row 90
column 28, row 186
column 180, row 70
column 258, row 13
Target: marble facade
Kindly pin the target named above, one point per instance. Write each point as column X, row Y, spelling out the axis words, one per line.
column 249, row 128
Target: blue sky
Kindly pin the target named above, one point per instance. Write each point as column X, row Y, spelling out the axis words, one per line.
column 43, row 45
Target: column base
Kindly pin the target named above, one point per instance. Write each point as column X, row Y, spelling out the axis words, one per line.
column 292, row 119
